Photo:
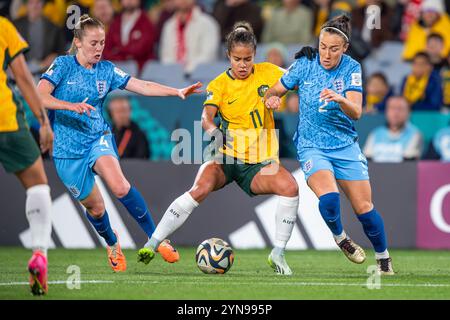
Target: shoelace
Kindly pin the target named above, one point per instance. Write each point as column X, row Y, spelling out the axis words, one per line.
column 384, row 264
column 347, row 245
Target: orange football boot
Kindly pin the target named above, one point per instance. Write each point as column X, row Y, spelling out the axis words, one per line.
column 167, row 252
column 116, row 258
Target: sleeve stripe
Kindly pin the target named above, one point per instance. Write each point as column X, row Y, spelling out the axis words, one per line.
column 48, row 79
column 285, row 85
column 354, row 89
column 211, row 104
column 23, row 50
column 125, row 83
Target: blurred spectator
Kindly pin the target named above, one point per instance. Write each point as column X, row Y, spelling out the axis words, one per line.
column 435, row 46
column 131, row 35
column 54, row 10
column 441, row 144
column 422, row 88
column 160, row 14
column 433, row 19
column 103, row 11
column 321, row 11
column 228, row 12
column 290, row 24
column 46, row 40
column 130, row 139
column 445, row 76
column 405, row 14
column 398, row 140
column 190, row 37
column 276, row 53
column 362, row 23
column 377, row 93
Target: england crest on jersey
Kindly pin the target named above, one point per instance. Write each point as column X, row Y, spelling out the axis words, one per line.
column 339, row 85
column 101, row 88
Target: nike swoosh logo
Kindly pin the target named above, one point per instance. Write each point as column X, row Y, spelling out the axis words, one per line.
column 71, row 82
column 143, row 215
column 307, row 83
column 230, row 102
column 104, row 149
column 112, row 262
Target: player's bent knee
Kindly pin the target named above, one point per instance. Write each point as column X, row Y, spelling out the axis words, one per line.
column 200, row 191
column 121, row 189
column 290, row 190
column 363, row 207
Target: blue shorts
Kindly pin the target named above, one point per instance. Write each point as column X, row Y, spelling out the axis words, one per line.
column 78, row 174
column 346, row 163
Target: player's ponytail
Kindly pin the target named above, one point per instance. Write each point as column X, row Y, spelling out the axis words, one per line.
column 339, row 25
column 84, row 23
column 243, row 34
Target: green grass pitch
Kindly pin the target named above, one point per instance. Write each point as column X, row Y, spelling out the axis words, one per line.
column 317, row 275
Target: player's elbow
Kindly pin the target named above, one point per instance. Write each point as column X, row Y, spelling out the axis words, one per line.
column 356, row 115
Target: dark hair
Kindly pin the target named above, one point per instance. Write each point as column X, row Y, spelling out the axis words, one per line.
column 423, row 54
column 342, row 23
column 246, row 36
column 435, row 35
column 84, row 23
column 381, row 76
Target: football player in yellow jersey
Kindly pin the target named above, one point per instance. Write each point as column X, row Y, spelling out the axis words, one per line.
column 19, row 153
column 245, row 146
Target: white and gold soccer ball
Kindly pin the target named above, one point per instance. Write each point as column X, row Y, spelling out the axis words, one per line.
column 214, row 256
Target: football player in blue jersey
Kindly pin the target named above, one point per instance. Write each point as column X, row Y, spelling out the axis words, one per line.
column 330, row 92
column 74, row 89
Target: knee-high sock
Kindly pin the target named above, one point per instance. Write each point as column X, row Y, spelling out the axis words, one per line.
column 136, row 206
column 38, row 207
column 330, row 209
column 103, row 228
column 285, row 217
column 173, row 218
column 373, row 226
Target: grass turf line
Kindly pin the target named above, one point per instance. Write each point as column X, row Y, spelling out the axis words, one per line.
column 317, row 275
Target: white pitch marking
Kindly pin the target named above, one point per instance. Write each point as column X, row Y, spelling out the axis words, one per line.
column 6, row 284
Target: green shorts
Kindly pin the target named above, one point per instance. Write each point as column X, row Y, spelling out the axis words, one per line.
column 235, row 170
column 18, row 150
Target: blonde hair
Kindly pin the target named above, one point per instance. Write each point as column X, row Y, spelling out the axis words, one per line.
column 84, row 23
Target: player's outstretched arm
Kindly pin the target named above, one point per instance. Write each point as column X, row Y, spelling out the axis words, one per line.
column 24, row 81
column 272, row 98
column 350, row 105
column 46, row 88
column 148, row 88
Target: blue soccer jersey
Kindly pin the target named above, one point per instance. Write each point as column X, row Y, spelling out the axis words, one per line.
column 75, row 133
column 323, row 125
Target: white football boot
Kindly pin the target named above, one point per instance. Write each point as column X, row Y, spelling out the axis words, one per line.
column 278, row 264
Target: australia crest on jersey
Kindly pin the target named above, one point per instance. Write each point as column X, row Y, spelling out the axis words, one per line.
column 101, row 88
column 338, row 85
column 262, row 90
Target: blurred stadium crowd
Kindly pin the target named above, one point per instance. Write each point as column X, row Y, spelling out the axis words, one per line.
column 404, row 51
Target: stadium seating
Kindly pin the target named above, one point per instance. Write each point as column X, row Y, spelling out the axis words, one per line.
column 208, row 71
column 167, row 74
column 129, row 67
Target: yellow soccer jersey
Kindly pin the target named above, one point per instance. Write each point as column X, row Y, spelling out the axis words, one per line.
column 243, row 114
column 11, row 45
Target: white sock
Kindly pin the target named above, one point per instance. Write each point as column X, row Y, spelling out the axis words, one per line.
column 340, row 237
column 382, row 255
column 285, row 217
column 173, row 218
column 38, row 207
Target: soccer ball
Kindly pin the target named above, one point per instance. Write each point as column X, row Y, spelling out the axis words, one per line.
column 214, row 256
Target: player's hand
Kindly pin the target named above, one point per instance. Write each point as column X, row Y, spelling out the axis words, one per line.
column 273, row 102
column 186, row 92
column 45, row 138
column 329, row 95
column 309, row 52
column 82, row 107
